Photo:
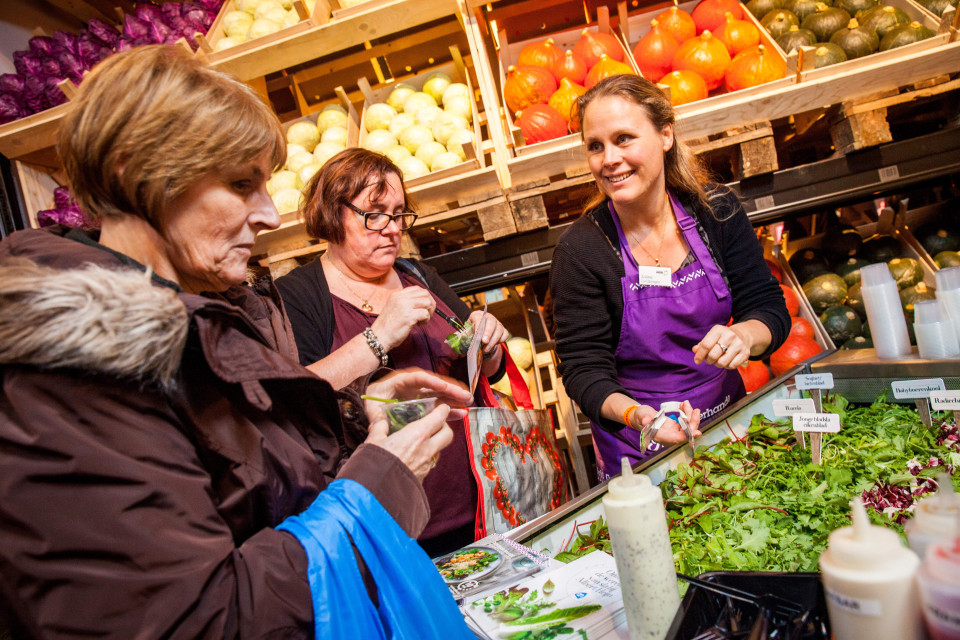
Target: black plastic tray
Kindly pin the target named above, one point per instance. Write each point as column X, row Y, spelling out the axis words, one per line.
column 700, row 608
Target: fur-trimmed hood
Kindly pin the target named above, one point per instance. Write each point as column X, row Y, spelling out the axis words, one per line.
column 110, row 321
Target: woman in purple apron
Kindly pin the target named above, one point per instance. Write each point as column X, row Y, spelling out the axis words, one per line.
column 660, row 290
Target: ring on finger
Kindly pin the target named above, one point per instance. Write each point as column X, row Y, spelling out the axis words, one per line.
column 723, row 347
column 433, row 460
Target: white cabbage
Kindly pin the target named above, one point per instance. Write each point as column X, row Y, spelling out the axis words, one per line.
column 455, row 89
column 299, row 161
column 294, row 149
column 436, row 84
column 399, row 95
column 378, row 116
column 461, row 106
column 335, row 134
column 307, row 172
column 283, row 180
column 326, row 150
column 445, row 124
column 229, row 41
column 414, row 136
column 459, row 138
column 236, row 24
column 331, row 118
column 413, row 167
column 401, row 122
column 427, row 115
column 287, row 200
column 303, row 133
column 428, row 150
column 263, row 27
column 266, row 7
column 418, row 101
column 396, row 153
column 445, row 160
column 379, row 139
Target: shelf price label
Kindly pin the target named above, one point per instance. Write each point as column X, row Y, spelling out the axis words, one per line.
column 944, row 400
column 783, row 408
column 764, row 202
column 916, row 389
column 817, row 422
column 814, row 380
column 889, row 173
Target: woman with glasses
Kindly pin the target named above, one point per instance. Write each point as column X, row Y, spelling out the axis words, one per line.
column 359, row 308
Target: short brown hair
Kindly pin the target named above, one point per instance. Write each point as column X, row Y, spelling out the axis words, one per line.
column 683, row 171
column 148, row 123
column 337, row 183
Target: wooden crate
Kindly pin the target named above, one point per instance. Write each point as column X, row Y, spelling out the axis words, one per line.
column 37, row 185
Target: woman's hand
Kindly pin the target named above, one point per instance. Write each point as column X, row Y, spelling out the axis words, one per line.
column 409, row 384
column 418, row 445
column 670, row 432
column 729, row 347
column 493, row 331
column 404, row 309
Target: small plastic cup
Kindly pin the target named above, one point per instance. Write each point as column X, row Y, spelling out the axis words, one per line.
column 875, row 274
column 948, row 279
column 400, row 414
column 460, row 340
column 927, row 312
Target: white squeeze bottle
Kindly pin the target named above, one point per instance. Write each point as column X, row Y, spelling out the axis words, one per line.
column 637, row 523
column 934, row 517
column 868, row 576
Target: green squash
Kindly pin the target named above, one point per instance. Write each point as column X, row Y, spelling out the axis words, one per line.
column 850, row 270
column 858, row 342
column 905, row 271
column 826, row 21
column 856, row 41
column 842, row 323
column 778, row 22
column 808, row 263
column 881, row 249
column 936, row 237
column 938, row 7
column 883, row 18
column 827, row 54
column 795, row 37
column 838, row 244
column 825, row 291
column 802, row 8
column 853, row 7
column 855, row 300
column 947, row 259
column 912, row 295
column 904, row 34
column 760, row 8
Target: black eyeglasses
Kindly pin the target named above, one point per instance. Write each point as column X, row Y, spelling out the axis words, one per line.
column 378, row 221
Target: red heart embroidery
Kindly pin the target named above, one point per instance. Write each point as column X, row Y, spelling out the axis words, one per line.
column 508, row 443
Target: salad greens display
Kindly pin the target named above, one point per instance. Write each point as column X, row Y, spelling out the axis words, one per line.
column 759, row 504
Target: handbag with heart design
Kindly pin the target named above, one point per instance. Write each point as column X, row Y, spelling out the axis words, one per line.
column 514, row 454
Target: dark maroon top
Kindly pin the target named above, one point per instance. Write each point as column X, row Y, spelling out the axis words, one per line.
column 450, row 486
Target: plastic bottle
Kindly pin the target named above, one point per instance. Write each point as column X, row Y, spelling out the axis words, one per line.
column 939, row 581
column 935, row 517
column 868, row 576
column 881, row 298
column 637, row 523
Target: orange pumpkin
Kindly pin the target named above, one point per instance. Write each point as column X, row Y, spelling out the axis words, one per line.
column 801, row 327
column 677, row 23
column 706, row 55
column 563, row 98
column 754, row 66
column 794, row 350
column 710, row 15
column 592, row 45
column 685, row 86
column 540, row 54
column 604, row 68
column 791, row 299
column 570, row 66
column 654, row 53
column 541, row 122
column 738, row 35
column 755, row 374
column 525, row 86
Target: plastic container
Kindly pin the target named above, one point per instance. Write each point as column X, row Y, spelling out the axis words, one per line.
column 400, row 414
column 934, row 518
column 881, row 298
column 637, row 523
column 868, row 576
column 948, row 294
column 936, row 338
column 939, row 581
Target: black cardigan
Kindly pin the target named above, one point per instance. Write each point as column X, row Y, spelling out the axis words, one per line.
column 588, row 300
column 306, row 299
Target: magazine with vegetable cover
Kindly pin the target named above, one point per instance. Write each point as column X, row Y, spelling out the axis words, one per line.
column 488, row 565
column 580, row 600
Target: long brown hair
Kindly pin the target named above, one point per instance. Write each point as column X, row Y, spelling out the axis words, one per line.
column 684, row 173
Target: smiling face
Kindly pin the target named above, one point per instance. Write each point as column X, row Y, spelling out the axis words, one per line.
column 209, row 231
column 625, row 150
column 370, row 254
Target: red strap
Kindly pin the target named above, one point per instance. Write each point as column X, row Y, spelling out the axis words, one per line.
column 518, row 385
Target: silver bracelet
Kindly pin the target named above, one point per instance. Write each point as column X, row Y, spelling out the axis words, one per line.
column 374, row 342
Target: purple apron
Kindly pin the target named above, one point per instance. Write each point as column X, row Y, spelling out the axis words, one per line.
column 660, row 327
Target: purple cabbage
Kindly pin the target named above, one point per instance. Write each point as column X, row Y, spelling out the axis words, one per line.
column 11, row 83
column 42, row 46
column 169, row 10
column 66, row 41
column 197, row 14
column 27, row 64
column 53, row 94
column 106, row 33
column 51, row 67
column 134, row 28
column 125, row 44
column 70, row 216
column 10, row 108
column 62, row 198
column 91, row 50
column 148, row 12
column 33, row 94
column 71, row 66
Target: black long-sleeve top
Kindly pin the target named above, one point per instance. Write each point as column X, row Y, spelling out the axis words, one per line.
column 585, row 280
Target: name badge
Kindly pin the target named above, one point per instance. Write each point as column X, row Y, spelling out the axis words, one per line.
column 654, row 277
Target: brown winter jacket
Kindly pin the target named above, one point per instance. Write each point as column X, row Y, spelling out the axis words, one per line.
column 148, row 450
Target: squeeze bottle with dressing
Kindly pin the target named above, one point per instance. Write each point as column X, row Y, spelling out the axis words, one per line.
column 939, row 581
column 868, row 577
column 935, row 517
column 637, row 523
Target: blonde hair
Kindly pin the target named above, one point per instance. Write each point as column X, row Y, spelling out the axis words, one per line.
column 148, row 123
column 684, row 173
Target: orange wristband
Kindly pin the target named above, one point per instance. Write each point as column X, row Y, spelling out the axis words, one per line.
column 629, row 412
